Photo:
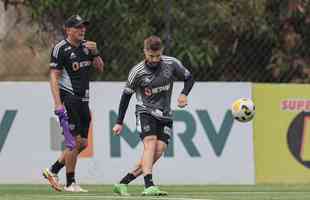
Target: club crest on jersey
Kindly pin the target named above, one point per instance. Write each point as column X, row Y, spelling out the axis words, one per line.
column 167, row 73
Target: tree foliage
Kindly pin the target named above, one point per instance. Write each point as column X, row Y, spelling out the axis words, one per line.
column 215, row 39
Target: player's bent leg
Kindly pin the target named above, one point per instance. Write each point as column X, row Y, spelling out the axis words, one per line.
column 137, row 169
column 121, row 189
column 160, row 149
column 81, row 143
column 52, row 179
column 149, row 143
column 61, row 158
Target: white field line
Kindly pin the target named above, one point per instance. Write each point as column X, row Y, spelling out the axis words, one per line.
column 118, row 197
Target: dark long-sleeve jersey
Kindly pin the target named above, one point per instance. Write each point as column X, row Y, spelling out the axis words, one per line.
column 153, row 88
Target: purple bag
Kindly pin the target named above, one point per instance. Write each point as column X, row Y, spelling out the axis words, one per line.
column 64, row 123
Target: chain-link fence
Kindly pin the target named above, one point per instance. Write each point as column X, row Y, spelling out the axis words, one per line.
column 218, row 40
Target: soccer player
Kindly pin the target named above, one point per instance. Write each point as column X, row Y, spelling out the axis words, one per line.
column 71, row 62
column 152, row 81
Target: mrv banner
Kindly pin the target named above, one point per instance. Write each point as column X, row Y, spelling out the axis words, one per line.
column 207, row 146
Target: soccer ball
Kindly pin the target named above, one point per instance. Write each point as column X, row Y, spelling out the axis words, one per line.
column 243, row 109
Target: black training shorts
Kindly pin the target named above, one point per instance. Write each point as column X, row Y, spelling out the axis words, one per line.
column 79, row 114
column 149, row 125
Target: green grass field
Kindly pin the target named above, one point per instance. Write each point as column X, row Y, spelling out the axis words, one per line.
column 209, row 192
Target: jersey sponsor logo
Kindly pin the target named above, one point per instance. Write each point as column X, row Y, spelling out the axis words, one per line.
column 77, row 65
column 150, row 91
column 160, row 89
column 85, row 63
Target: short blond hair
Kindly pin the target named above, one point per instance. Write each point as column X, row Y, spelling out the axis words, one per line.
column 153, row 43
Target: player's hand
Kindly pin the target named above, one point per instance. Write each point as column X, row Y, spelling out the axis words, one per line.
column 61, row 113
column 59, row 107
column 117, row 129
column 98, row 63
column 64, row 123
column 182, row 101
column 92, row 46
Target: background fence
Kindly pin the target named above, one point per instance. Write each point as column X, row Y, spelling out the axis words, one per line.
column 218, row 40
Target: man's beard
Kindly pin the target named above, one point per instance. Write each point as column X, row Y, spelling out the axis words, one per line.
column 153, row 65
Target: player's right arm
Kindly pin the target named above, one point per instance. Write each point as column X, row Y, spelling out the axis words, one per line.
column 54, row 79
column 56, row 67
column 122, row 108
column 124, row 102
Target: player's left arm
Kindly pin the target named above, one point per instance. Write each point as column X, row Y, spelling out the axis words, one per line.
column 97, row 61
column 183, row 74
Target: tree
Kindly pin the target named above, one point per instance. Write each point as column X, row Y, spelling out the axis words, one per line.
column 216, row 39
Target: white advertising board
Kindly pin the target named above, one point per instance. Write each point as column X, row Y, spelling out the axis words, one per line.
column 208, row 147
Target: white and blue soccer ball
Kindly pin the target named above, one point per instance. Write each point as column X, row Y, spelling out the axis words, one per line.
column 243, row 109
